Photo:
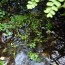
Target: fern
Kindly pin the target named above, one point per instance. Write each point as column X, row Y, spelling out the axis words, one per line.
column 32, row 4
column 52, row 7
column 63, row 5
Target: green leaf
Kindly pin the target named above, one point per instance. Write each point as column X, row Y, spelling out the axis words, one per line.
column 36, row 0
column 1, row 62
column 52, row 12
column 34, row 4
column 49, row 26
column 30, row 2
column 50, row 4
column 0, row 13
column 47, row 10
column 32, row 45
column 52, row 0
column 61, row 0
column 49, row 15
column 31, row 5
column 33, row 56
column 3, row 13
column 54, row 8
column 58, row 4
column 63, row 5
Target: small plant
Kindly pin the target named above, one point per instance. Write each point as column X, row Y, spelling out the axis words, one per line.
column 3, row 26
column 19, row 19
column 2, row 13
column 34, row 56
column 49, row 26
column 32, row 45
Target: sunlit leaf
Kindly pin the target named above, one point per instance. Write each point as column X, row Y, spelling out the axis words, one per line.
column 30, row 2
column 54, row 8
column 50, row 4
column 63, row 5
column 52, row 12
column 49, row 15
column 52, row 0
column 47, row 10
column 61, row 0
column 58, row 4
column 36, row 0
column 31, row 6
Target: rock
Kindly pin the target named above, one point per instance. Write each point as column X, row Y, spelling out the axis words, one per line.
column 22, row 59
column 62, row 61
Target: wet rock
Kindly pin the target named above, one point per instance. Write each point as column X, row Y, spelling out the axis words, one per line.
column 32, row 63
column 62, row 61
column 23, row 59
column 55, row 54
